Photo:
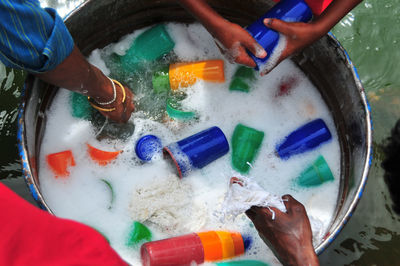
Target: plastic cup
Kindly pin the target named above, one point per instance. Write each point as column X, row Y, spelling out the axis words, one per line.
column 242, row 79
column 139, row 233
column 197, row 150
column 305, row 138
column 173, row 111
column 60, row 162
column 80, row 106
column 286, row 10
column 315, row 174
column 246, row 142
column 148, row 46
column 102, row 157
column 148, row 146
column 197, row 247
column 182, row 250
column 160, row 81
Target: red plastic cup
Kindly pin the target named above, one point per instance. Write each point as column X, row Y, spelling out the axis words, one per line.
column 181, row 250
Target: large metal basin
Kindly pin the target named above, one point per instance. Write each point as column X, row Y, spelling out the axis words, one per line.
column 97, row 23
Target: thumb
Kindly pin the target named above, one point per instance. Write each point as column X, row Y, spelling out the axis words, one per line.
column 278, row 25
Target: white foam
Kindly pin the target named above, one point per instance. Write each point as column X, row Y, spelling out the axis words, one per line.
column 84, row 197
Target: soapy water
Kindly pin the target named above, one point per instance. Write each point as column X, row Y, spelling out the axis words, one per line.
column 148, row 192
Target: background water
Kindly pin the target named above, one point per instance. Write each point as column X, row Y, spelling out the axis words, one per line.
column 371, row 36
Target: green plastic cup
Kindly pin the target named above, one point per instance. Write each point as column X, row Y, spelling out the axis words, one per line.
column 242, row 79
column 160, row 81
column 246, row 142
column 80, row 106
column 174, row 111
column 315, row 174
column 242, row 263
column 139, row 233
column 148, row 46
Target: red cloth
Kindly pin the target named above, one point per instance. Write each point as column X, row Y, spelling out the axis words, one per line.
column 317, row 6
column 30, row 236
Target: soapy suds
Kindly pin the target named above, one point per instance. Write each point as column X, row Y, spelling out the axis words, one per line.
column 84, row 197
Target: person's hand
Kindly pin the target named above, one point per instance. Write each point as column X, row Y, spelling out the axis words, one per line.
column 298, row 36
column 123, row 110
column 289, row 236
column 233, row 41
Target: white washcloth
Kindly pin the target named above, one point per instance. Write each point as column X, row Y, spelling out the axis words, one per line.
column 245, row 193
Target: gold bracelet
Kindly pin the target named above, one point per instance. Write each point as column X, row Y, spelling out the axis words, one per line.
column 101, row 109
column 93, row 103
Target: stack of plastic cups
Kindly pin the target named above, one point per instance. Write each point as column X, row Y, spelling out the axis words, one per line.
column 197, row 150
column 196, row 247
column 286, row 10
column 242, row 79
column 305, row 138
column 315, row 174
column 246, row 142
column 182, row 75
column 148, row 46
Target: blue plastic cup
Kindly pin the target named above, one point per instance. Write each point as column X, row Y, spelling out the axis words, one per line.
column 286, row 10
column 303, row 139
column 147, row 147
column 197, row 150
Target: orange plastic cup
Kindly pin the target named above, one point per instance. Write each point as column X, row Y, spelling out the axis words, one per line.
column 228, row 247
column 186, row 74
column 60, row 162
column 102, row 157
column 212, row 246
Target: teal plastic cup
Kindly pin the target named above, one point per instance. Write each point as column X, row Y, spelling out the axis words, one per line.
column 148, row 46
column 316, row 174
column 246, row 142
column 80, row 107
column 243, row 79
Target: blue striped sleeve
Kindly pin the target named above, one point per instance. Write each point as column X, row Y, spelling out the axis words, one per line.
column 32, row 38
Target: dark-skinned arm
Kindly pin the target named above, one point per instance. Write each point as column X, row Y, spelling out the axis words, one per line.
column 300, row 35
column 289, row 235
column 232, row 39
column 75, row 73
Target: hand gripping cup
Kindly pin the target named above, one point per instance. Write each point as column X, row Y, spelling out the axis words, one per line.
column 315, row 174
column 246, row 142
column 196, row 247
column 197, row 150
column 303, row 139
column 286, row 10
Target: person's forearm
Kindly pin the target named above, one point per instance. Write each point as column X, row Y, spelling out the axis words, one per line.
column 334, row 13
column 204, row 13
column 76, row 74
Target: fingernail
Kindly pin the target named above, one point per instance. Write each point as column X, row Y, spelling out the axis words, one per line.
column 267, row 21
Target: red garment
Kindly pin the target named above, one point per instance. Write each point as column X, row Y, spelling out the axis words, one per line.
column 30, row 236
column 317, row 6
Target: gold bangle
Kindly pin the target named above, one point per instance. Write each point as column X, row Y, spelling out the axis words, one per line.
column 93, row 102
column 122, row 88
column 101, row 109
